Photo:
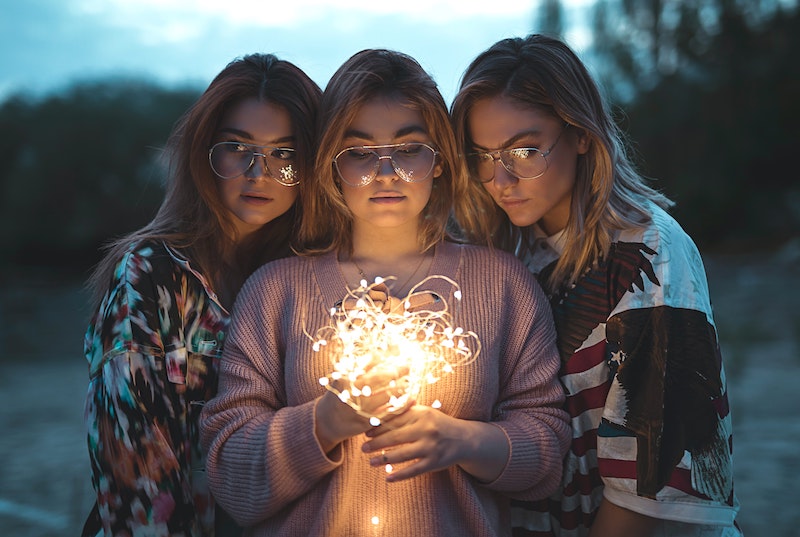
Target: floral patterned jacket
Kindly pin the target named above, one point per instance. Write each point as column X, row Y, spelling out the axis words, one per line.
column 153, row 349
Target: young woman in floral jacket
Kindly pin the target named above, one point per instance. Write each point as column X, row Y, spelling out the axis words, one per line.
column 163, row 294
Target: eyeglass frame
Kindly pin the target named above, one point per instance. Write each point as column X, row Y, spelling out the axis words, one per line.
column 255, row 154
column 497, row 155
column 377, row 166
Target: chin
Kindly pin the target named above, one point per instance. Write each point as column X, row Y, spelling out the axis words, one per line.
column 522, row 222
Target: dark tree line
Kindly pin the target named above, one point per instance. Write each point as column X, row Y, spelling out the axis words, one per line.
column 708, row 91
column 81, row 167
column 713, row 109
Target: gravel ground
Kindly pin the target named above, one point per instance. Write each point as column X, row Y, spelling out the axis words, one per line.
column 44, row 479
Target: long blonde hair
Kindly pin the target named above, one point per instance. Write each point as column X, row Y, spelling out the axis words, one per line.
column 609, row 194
column 327, row 222
column 192, row 217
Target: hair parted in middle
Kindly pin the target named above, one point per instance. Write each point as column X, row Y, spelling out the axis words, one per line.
column 370, row 74
column 192, row 217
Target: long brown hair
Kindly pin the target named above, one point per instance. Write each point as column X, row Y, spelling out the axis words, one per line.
column 192, row 218
column 371, row 73
column 609, row 194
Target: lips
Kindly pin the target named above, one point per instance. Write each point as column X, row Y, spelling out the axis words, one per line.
column 387, row 197
column 256, row 196
column 511, row 202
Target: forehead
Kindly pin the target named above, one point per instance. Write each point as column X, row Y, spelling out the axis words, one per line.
column 260, row 121
column 385, row 119
column 493, row 121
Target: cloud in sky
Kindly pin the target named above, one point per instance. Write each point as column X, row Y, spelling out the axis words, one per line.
column 52, row 43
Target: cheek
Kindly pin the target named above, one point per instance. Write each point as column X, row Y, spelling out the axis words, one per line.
column 349, row 194
column 427, row 187
column 292, row 194
column 225, row 189
column 563, row 177
column 285, row 197
column 426, row 191
column 493, row 191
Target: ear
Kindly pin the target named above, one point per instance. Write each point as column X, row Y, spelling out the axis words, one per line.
column 438, row 169
column 582, row 141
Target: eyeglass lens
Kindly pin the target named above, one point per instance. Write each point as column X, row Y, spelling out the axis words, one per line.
column 522, row 162
column 232, row 159
column 412, row 162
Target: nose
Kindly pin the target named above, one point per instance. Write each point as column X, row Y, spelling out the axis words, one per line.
column 502, row 177
column 385, row 169
column 258, row 168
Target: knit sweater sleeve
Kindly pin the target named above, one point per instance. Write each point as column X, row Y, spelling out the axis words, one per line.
column 530, row 403
column 262, row 452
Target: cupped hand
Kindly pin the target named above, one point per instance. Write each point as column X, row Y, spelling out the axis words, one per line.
column 336, row 421
column 426, row 438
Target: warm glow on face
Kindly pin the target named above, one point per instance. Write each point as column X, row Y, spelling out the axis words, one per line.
column 384, row 355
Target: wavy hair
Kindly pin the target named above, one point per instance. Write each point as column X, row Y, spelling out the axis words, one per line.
column 609, row 194
column 192, row 217
column 328, row 222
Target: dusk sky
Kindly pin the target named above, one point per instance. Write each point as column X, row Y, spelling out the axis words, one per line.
column 48, row 44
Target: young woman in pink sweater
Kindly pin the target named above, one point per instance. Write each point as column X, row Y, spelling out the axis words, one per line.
column 285, row 455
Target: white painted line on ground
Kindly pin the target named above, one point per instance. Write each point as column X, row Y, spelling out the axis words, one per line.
column 35, row 515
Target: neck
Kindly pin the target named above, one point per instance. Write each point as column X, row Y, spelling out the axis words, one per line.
column 387, row 252
column 387, row 245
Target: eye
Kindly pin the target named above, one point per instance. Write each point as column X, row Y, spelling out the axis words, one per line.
column 282, row 153
column 522, row 153
column 358, row 153
column 410, row 150
column 235, row 147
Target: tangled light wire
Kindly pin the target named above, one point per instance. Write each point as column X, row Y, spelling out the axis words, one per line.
column 389, row 349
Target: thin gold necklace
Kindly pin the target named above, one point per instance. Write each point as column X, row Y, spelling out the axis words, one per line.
column 419, row 265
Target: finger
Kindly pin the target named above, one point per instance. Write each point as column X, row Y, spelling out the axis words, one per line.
column 385, row 407
column 400, row 466
column 406, row 445
column 382, row 458
column 414, row 469
column 396, row 455
column 379, row 290
column 390, row 419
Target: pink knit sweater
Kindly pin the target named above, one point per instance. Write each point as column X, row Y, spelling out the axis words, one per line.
column 265, row 465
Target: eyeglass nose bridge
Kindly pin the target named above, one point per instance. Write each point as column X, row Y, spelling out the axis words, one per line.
column 376, row 169
column 498, row 156
column 266, row 171
column 379, row 164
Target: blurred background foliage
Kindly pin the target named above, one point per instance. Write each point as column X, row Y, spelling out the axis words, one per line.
column 706, row 89
column 81, row 167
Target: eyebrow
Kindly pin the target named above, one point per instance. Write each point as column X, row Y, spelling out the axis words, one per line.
column 244, row 134
column 405, row 131
column 514, row 139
